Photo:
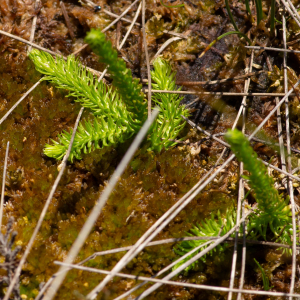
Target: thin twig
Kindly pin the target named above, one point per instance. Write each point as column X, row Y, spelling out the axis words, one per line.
column 26, row 42
column 193, row 83
column 43, row 49
column 242, row 195
column 293, row 8
column 293, row 42
column 293, row 15
column 33, row 27
column 217, row 93
column 164, row 46
column 67, row 19
column 40, row 295
column 118, row 18
column 131, row 26
column 289, row 162
column 253, row 139
column 147, row 57
column 279, row 127
column 79, row 49
column 190, row 238
column 167, row 268
column 271, row 49
column 138, row 24
column 3, row 184
column 162, row 242
column 241, row 192
column 183, row 284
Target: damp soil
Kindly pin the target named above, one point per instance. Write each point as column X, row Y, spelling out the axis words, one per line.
column 153, row 182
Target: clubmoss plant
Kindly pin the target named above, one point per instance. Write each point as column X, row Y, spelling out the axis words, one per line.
column 169, row 121
column 273, row 211
column 117, row 114
column 215, row 226
column 112, row 123
column 126, row 85
column 273, row 214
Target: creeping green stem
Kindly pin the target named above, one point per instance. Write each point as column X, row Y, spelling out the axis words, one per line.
column 222, row 36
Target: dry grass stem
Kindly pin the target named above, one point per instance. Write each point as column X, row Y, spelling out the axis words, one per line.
column 33, row 27
column 219, row 93
column 3, row 184
column 272, row 49
column 289, row 162
column 163, row 47
column 241, row 192
column 175, row 283
column 67, row 19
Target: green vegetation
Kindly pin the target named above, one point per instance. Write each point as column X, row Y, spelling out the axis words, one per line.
column 259, row 18
column 111, row 123
column 169, row 121
column 259, row 13
column 264, row 277
column 128, row 87
column 273, row 213
column 154, row 181
column 117, row 114
column 214, row 226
